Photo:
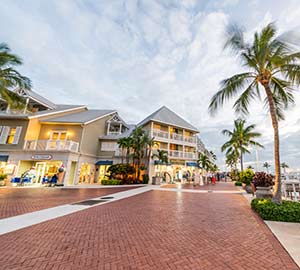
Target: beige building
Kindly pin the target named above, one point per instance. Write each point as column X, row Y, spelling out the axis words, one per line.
column 84, row 142
column 66, row 136
column 177, row 137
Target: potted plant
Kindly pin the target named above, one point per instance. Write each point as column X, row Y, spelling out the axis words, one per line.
column 2, row 179
column 263, row 183
column 246, row 178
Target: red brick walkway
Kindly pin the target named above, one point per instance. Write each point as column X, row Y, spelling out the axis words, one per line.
column 228, row 186
column 16, row 201
column 155, row 230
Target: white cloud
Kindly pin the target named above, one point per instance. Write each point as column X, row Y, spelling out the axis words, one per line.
column 137, row 55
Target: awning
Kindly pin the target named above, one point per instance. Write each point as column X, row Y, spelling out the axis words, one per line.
column 4, row 158
column 104, row 162
column 192, row 164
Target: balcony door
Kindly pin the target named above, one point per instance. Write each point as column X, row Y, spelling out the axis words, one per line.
column 58, row 140
column 58, row 135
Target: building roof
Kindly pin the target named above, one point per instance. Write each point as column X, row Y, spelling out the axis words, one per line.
column 82, row 117
column 59, row 108
column 36, row 97
column 166, row 116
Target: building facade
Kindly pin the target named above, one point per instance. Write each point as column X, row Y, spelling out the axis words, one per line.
column 85, row 142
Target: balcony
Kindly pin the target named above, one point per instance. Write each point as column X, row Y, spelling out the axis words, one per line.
column 51, row 145
column 181, row 154
column 174, row 136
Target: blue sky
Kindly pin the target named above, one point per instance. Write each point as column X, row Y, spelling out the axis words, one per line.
column 135, row 56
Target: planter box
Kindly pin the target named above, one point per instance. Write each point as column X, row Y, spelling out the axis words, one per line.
column 156, row 180
column 263, row 192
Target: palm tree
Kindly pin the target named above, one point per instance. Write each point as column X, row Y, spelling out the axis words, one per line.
column 267, row 166
column 125, row 143
column 240, row 139
column 11, row 79
column 162, row 157
column 284, row 166
column 232, row 159
column 205, row 163
column 273, row 71
column 213, row 155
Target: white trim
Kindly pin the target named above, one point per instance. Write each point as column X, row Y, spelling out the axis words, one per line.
column 61, row 111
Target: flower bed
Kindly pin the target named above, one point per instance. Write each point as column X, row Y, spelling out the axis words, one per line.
column 288, row 211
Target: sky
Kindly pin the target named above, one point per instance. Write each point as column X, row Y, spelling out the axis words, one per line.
column 138, row 55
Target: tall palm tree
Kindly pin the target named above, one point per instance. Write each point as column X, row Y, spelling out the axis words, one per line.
column 240, row 139
column 284, row 166
column 10, row 78
column 205, row 163
column 273, row 71
column 125, row 144
column 267, row 166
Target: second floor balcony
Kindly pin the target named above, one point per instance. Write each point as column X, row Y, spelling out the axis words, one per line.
column 174, row 136
column 181, row 154
column 51, row 145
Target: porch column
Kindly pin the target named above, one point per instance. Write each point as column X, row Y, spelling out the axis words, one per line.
column 120, row 130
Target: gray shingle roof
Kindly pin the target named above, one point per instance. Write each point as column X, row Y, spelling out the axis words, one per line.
column 80, row 117
column 59, row 108
column 166, row 116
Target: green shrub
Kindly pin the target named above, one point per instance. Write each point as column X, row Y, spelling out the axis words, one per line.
column 3, row 177
column 145, row 179
column 111, row 182
column 120, row 170
column 238, row 183
column 288, row 211
column 246, row 176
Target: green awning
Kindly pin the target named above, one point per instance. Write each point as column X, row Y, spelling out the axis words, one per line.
column 104, row 162
column 4, row 158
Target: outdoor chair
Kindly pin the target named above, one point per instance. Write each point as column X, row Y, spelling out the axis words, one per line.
column 291, row 190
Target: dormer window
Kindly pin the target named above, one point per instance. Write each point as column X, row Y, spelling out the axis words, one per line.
column 115, row 125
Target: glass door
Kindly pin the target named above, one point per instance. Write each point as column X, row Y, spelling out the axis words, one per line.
column 40, row 171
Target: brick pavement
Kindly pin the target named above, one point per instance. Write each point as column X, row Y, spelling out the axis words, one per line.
column 228, row 186
column 154, row 230
column 17, row 201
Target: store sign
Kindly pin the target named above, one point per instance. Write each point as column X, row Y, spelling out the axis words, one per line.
column 41, row 157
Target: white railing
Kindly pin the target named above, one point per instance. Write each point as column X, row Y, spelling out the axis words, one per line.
column 181, row 154
column 114, row 133
column 174, row 136
column 160, row 133
column 57, row 145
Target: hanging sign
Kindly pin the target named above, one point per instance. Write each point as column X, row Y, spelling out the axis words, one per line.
column 41, row 157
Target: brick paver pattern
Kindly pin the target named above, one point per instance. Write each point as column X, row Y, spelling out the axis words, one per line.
column 226, row 186
column 153, row 230
column 17, row 201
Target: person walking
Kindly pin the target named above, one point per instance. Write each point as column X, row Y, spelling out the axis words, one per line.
column 213, row 179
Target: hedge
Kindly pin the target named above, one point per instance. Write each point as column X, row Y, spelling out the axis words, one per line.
column 238, row 183
column 111, row 182
column 288, row 211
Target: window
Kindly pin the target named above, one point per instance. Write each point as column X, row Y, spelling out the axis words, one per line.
column 10, row 135
column 58, row 135
column 108, row 146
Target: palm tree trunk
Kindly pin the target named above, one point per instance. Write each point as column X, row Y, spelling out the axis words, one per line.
column 127, row 155
column 277, row 186
column 242, row 167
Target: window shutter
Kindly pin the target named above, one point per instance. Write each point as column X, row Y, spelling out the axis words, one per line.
column 4, row 134
column 17, row 135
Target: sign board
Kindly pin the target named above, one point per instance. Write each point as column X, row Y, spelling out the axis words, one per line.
column 41, row 157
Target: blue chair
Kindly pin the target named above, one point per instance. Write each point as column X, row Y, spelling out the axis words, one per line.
column 45, row 180
column 16, row 180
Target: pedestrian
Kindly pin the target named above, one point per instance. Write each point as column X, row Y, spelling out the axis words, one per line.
column 213, row 179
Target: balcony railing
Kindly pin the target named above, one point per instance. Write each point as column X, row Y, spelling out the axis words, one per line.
column 174, row 136
column 181, row 154
column 56, row 145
